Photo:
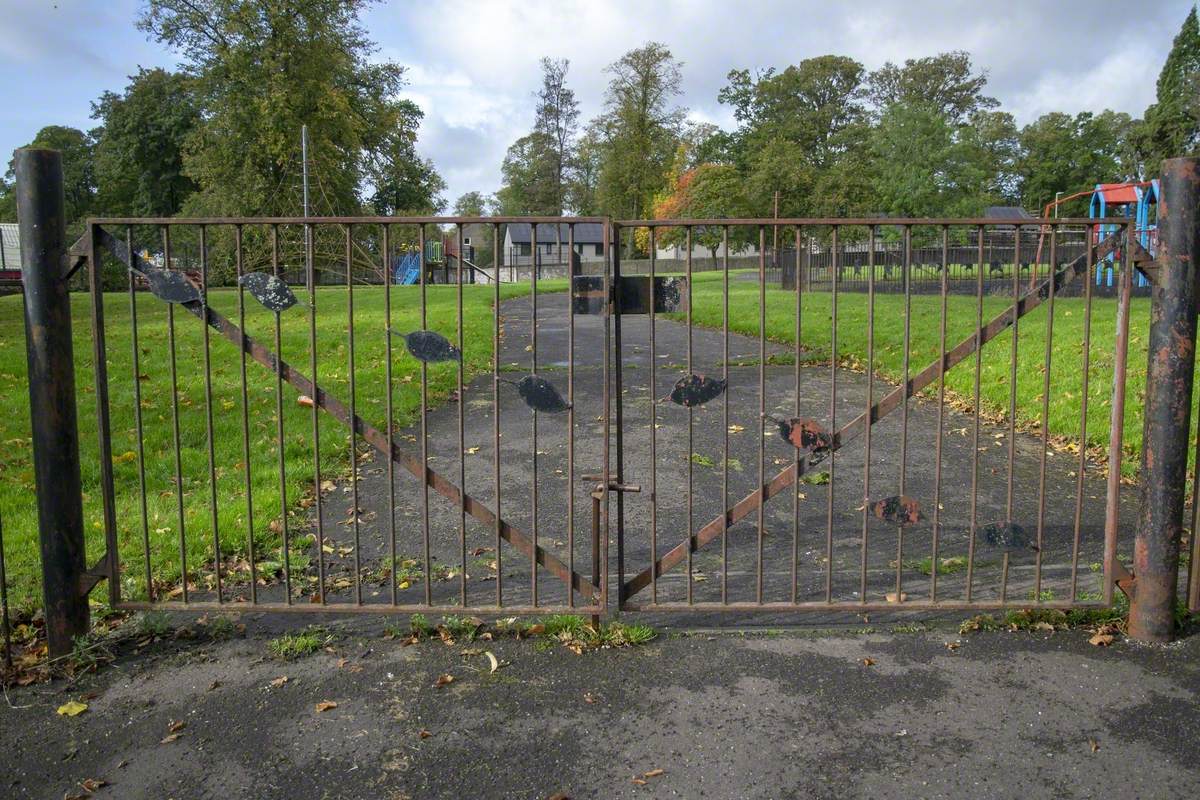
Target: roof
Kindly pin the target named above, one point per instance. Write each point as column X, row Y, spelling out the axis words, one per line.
column 10, row 247
column 1117, row 193
column 585, row 232
column 1006, row 212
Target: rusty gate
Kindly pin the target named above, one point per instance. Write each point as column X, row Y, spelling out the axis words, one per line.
column 743, row 448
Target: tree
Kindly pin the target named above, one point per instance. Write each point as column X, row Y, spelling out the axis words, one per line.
column 79, row 174
column 529, row 181
column 263, row 68
column 706, row 191
column 584, row 178
column 140, row 145
column 474, row 204
column 404, row 182
column 640, row 124
column 557, row 118
column 1061, row 153
column 1173, row 121
column 946, row 83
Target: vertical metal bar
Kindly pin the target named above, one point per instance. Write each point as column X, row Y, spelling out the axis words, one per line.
column 349, row 235
column 311, row 281
column 866, row 500
column 1193, row 574
column 654, row 449
column 725, row 416
column 1116, row 429
column 208, row 408
column 1012, row 400
column 496, row 411
column 941, row 418
column 907, row 274
column 138, row 428
column 833, row 368
column 617, row 370
column 1041, row 524
column 975, row 406
column 462, row 444
column 249, row 484
column 1081, row 469
column 427, row 566
column 104, row 431
column 389, row 407
column 1168, row 409
column 183, row 570
column 796, row 413
column 601, row 565
column 762, row 402
column 691, row 441
column 571, row 416
column 51, row 364
column 535, row 268
column 8, row 660
column 283, row 501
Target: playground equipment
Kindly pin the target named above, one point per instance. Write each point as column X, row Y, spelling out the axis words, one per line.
column 1137, row 199
column 406, row 269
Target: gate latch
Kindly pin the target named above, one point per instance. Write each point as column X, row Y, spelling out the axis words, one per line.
column 629, row 294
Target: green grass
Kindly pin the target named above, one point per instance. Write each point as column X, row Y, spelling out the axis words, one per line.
column 297, row 645
column 1066, row 371
column 17, row 509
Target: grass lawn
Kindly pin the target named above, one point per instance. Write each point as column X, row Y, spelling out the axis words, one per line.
column 17, row 508
column 1066, row 369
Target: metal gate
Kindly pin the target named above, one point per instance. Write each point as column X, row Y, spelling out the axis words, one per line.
column 898, row 481
column 255, row 449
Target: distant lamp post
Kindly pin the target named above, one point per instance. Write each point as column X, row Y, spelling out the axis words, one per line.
column 1056, row 196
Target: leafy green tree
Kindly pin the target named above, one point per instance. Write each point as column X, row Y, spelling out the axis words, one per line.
column 473, row 204
column 1173, row 121
column 263, row 68
column 404, row 182
column 584, row 176
column 140, row 144
column 945, row 83
column 558, row 118
column 79, row 174
column 705, row 191
column 528, row 177
column 640, row 125
column 1061, row 153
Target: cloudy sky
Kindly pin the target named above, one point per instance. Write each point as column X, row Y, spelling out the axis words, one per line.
column 473, row 66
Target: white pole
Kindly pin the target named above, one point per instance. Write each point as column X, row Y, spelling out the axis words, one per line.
column 304, row 158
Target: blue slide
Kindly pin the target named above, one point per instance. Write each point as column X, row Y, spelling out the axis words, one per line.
column 408, row 269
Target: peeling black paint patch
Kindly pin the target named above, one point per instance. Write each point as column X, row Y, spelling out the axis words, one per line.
column 696, row 390
column 171, row 287
column 1007, row 536
column 268, row 289
column 539, row 394
column 897, row 509
column 430, row 346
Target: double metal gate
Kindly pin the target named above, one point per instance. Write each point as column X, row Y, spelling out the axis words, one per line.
column 695, row 397
column 676, row 430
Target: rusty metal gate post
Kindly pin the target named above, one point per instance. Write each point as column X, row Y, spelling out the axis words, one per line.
column 1172, row 357
column 40, row 209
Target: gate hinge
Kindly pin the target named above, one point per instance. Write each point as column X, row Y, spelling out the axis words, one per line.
column 91, row 577
column 74, row 258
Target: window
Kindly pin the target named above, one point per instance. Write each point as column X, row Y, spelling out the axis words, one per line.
column 599, row 249
column 466, row 241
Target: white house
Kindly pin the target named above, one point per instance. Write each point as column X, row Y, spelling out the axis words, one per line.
column 518, row 247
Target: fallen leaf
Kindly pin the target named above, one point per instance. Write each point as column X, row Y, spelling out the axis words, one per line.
column 559, row 796
column 736, row 428
column 891, row 597
column 472, row 450
column 304, row 400
column 424, row 734
column 639, row 781
column 867, row 662
column 654, row 773
column 443, row 680
column 176, row 725
column 280, row 681
column 170, row 738
column 588, row 697
column 326, row 705
column 1092, row 743
column 492, row 660
column 953, row 645
column 1099, row 640
column 72, row 708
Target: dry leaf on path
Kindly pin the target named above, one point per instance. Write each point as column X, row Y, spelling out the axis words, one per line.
column 72, row 708
column 280, row 681
column 867, row 662
column 170, row 738
column 654, row 773
column 443, row 680
column 326, row 705
column 1102, row 639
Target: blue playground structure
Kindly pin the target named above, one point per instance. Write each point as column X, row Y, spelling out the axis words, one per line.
column 406, row 270
column 1137, row 200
